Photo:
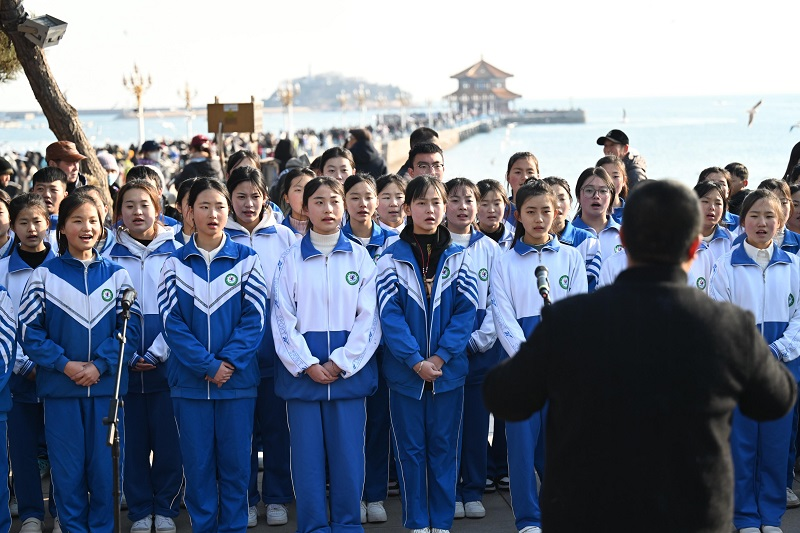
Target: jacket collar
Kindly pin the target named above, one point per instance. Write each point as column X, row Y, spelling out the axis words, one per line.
column 378, row 237
column 16, row 263
column 96, row 258
column 307, row 249
column 739, row 256
column 521, row 248
column 611, row 224
column 228, row 249
column 265, row 226
column 127, row 246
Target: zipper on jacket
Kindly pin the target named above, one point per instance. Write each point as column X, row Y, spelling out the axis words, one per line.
column 328, row 314
column 89, row 309
column 141, row 298
column 208, row 318
column 764, row 300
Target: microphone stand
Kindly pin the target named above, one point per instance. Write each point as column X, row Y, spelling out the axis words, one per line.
column 112, row 420
column 546, row 297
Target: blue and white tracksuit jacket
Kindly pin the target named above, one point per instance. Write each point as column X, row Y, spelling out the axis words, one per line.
column 8, row 348
column 698, row 275
column 721, row 242
column 380, row 238
column 733, row 223
column 14, row 274
column 516, row 308
column 760, row 449
column 270, row 241
column 307, row 285
column 72, row 312
column 609, row 236
column 324, row 308
column 588, row 245
column 415, row 327
column 212, row 312
column 143, row 264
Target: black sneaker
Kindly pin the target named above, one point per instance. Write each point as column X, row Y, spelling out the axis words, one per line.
column 394, row 488
column 503, row 483
column 490, row 486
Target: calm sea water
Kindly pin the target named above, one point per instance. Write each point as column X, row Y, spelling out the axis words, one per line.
column 677, row 136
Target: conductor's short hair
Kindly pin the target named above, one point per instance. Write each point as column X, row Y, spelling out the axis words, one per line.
column 662, row 220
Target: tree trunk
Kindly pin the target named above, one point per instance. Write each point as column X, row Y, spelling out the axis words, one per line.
column 62, row 118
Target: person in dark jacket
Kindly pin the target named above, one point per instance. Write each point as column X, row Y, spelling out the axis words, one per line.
column 654, row 404
column 615, row 142
column 365, row 155
column 200, row 164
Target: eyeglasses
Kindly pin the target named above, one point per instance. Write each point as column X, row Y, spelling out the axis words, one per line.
column 427, row 166
column 591, row 191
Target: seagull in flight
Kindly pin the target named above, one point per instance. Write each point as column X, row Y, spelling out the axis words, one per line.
column 795, row 125
column 752, row 113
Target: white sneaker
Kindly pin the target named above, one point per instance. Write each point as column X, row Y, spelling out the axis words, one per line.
column 252, row 516
column 164, row 524
column 142, row 526
column 474, row 510
column 421, row 530
column 792, row 500
column 749, row 530
column 459, row 512
column 771, row 529
column 277, row 514
column 363, row 513
column 437, row 530
column 376, row 512
column 13, row 507
column 56, row 525
column 31, row 525
column 531, row 529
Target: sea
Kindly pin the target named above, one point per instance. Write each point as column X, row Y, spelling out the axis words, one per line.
column 677, row 136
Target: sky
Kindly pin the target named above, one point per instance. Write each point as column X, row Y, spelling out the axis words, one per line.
column 562, row 50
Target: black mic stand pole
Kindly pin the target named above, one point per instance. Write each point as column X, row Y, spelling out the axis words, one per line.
column 112, row 420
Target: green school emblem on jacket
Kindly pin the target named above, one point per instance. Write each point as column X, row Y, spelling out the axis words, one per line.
column 563, row 281
column 483, row 274
column 791, row 299
column 352, row 277
column 617, row 248
column 107, row 295
column 445, row 273
column 701, row 284
column 231, row 279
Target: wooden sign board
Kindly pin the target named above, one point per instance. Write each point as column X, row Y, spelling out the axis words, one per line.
column 240, row 118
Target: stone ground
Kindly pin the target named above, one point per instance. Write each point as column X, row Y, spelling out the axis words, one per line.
column 499, row 517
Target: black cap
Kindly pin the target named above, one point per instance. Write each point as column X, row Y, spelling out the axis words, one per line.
column 615, row 136
column 150, row 146
column 5, row 167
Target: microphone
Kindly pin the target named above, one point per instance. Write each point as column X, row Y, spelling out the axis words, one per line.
column 542, row 282
column 128, row 298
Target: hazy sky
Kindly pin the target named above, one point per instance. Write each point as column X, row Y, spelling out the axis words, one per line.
column 555, row 49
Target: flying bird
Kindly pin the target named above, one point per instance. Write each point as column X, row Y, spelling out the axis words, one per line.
column 752, row 113
column 795, row 125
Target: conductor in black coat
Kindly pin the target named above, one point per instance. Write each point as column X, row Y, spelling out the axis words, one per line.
column 642, row 378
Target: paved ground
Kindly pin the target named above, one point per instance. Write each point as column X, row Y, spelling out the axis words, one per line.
column 499, row 518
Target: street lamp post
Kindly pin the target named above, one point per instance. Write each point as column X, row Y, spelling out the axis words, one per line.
column 138, row 84
column 187, row 95
column 287, row 92
column 404, row 99
column 342, row 99
column 381, row 102
column 361, row 95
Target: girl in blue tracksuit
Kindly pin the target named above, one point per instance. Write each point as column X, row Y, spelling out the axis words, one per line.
column 463, row 200
column 713, row 206
column 211, row 297
column 583, row 239
column 69, row 318
column 785, row 239
column 107, row 238
column 325, row 328
column 391, row 195
column 253, row 225
column 760, row 277
column 516, row 309
column 723, row 178
column 184, row 231
column 493, row 205
column 596, row 194
column 428, row 297
column 6, row 236
column 8, row 349
column 522, row 166
column 616, row 171
column 142, row 246
column 361, row 202
column 293, row 184
column 29, row 220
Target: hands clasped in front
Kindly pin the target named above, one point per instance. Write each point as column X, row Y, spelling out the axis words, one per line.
column 430, row 369
column 223, row 375
column 83, row 374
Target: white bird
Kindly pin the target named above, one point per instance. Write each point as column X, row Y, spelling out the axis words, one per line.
column 752, row 113
column 795, row 125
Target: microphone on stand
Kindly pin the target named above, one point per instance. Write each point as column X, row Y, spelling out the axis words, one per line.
column 542, row 283
column 128, row 297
